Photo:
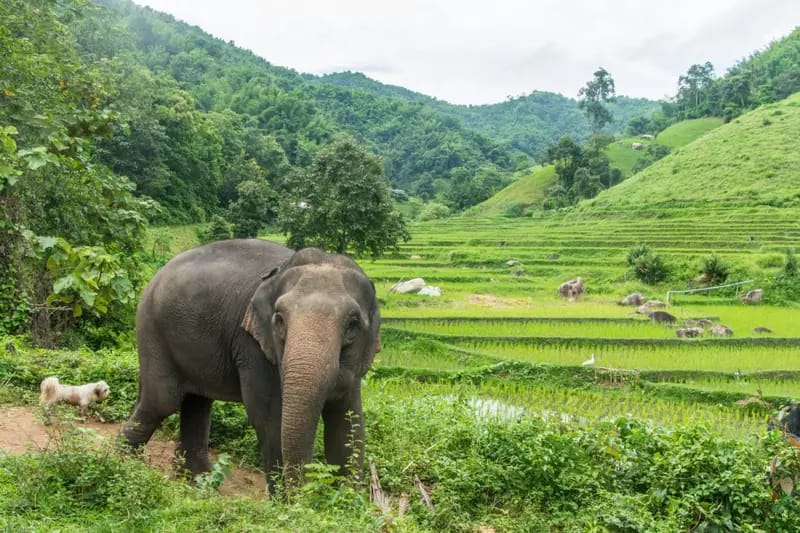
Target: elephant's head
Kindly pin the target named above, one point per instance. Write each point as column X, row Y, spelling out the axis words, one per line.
column 316, row 317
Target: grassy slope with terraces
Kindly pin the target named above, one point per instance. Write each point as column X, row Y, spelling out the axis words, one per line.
column 530, row 189
column 752, row 161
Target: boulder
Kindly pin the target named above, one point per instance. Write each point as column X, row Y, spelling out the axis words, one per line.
column 412, row 285
column 518, row 271
column 512, row 262
column 572, row 289
column 637, row 146
column 721, row 330
column 647, row 307
column 753, row 297
column 415, row 256
column 760, row 330
column 429, row 290
column 635, row 298
column 705, row 322
column 689, row 333
column 553, row 257
column 662, row 317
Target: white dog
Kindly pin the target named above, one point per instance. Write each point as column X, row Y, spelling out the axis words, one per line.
column 83, row 395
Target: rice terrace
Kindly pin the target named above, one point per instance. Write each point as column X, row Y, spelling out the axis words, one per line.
column 542, row 314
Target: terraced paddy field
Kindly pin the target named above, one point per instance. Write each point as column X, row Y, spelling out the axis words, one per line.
column 499, row 307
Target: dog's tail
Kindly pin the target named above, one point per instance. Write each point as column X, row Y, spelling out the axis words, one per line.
column 49, row 389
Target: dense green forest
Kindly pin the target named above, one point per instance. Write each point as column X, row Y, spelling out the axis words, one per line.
column 766, row 76
column 276, row 107
column 526, row 124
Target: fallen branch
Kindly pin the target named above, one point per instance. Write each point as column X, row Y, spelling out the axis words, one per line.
column 426, row 499
column 376, row 494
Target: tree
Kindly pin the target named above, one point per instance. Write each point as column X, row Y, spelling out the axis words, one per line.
column 591, row 99
column 218, row 229
column 694, row 90
column 341, row 203
column 70, row 229
column 253, row 209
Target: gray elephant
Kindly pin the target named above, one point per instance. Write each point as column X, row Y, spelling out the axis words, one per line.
column 289, row 334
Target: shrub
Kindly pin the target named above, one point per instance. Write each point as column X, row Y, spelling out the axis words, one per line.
column 714, row 270
column 433, row 210
column 515, row 210
column 790, row 269
column 647, row 266
column 636, row 252
column 218, row 229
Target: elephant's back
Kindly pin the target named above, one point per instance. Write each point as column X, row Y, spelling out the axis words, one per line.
column 206, row 283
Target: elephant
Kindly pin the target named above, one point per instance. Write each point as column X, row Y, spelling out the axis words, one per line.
column 289, row 334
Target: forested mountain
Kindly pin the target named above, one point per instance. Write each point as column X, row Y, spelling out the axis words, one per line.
column 527, row 124
column 228, row 84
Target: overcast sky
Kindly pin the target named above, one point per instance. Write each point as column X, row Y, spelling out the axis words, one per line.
column 469, row 52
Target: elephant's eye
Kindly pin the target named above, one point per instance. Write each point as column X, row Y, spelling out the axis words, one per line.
column 279, row 326
column 352, row 328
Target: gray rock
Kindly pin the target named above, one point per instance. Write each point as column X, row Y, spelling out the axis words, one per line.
column 721, row 330
column 412, row 285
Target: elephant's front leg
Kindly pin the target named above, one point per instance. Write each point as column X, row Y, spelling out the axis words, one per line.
column 262, row 401
column 344, row 432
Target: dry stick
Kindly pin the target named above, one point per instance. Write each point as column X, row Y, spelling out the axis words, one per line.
column 402, row 504
column 376, row 494
column 423, row 493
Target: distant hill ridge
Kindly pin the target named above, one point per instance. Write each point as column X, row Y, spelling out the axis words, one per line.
column 528, row 123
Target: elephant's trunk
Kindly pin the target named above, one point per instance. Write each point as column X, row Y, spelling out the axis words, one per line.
column 310, row 367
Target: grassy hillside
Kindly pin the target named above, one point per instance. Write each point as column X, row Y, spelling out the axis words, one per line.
column 686, row 131
column 751, row 161
column 530, row 188
column 526, row 191
column 622, row 155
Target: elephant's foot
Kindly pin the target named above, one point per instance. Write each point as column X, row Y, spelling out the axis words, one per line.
column 193, row 461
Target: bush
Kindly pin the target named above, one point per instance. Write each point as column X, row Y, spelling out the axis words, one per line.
column 515, row 210
column 74, row 479
column 433, row 210
column 714, row 270
column 790, row 269
column 647, row 266
column 636, row 252
column 218, row 229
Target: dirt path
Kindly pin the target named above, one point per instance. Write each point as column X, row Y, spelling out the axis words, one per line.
column 21, row 431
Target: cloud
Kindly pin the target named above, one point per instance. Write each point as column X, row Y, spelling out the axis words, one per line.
column 466, row 51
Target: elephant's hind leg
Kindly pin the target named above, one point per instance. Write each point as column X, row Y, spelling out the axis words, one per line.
column 143, row 423
column 195, row 428
column 156, row 402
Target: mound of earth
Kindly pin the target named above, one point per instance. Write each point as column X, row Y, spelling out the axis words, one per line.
column 21, row 431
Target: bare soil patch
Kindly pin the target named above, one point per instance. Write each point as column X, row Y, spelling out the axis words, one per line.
column 496, row 301
column 21, row 431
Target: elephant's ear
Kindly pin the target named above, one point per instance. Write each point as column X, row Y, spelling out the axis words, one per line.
column 375, row 336
column 257, row 318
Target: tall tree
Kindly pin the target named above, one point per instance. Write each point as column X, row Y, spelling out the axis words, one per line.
column 594, row 95
column 695, row 89
column 342, row 203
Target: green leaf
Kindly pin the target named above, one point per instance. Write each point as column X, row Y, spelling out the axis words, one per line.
column 88, row 296
column 46, row 242
column 77, row 310
column 61, row 284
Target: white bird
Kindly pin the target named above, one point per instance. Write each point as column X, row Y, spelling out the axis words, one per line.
column 588, row 362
